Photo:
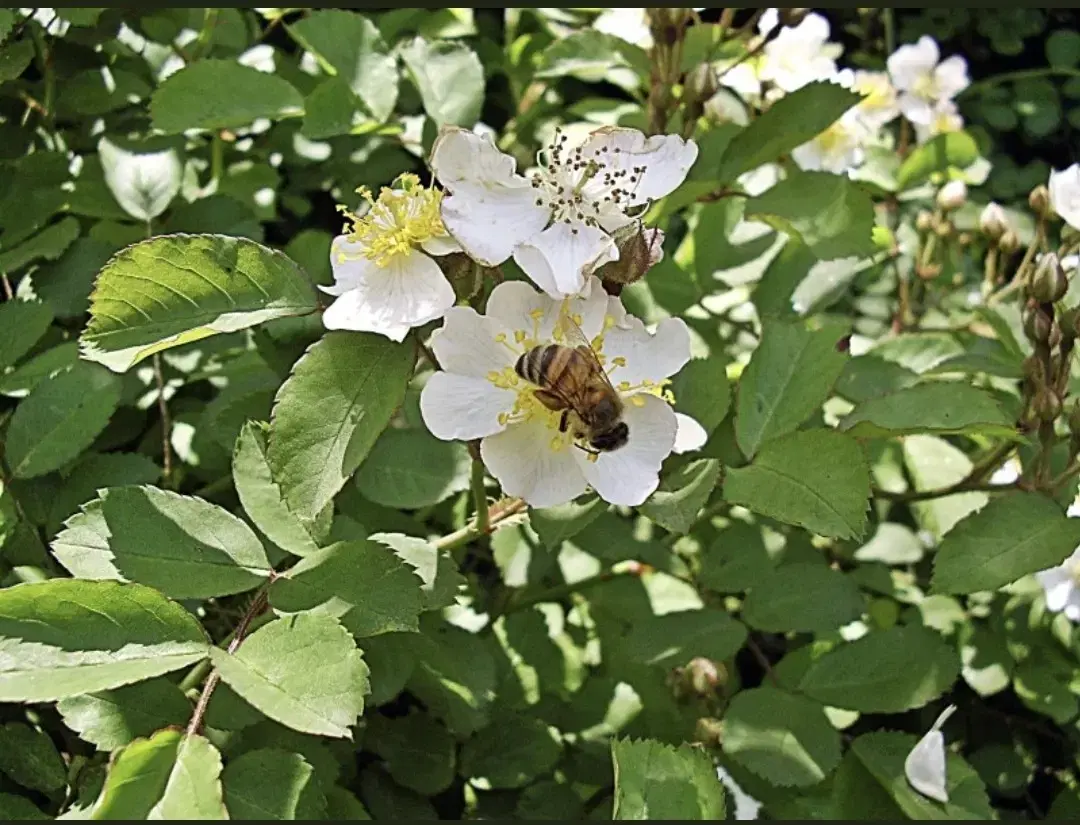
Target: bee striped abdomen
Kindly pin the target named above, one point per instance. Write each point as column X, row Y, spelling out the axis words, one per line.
column 541, row 365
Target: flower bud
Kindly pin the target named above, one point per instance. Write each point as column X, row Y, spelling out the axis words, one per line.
column 1048, row 283
column 667, row 24
column 1067, row 321
column 993, row 222
column 943, row 229
column 701, row 83
column 965, row 239
column 923, row 221
column 1034, row 371
column 640, row 249
column 1039, row 201
column 705, row 675
column 709, row 731
column 1038, row 325
column 952, row 195
column 1046, row 404
column 1010, row 242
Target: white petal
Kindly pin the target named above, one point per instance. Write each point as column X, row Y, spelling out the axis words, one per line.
column 1064, row 189
column 925, row 766
column 561, row 257
column 440, row 245
column 690, row 435
column 522, row 460
column 667, row 159
column 910, row 62
column 951, row 77
column 1072, row 611
column 512, row 304
column 465, row 344
column 630, row 474
column 461, row 407
column 491, row 208
column 648, row 357
column 630, row 25
column 1058, row 586
column 768, row 21
column 916, row 109
column 349, row 266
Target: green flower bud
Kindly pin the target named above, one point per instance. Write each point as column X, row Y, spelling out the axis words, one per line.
column 1048, row 283
column 1039, row 201
column 993, row 222
column 1038, row 325
column 1047, row 405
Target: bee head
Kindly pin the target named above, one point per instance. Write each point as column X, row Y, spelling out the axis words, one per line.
column 612, row 439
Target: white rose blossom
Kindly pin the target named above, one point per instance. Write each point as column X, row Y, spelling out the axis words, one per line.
column 925, row 764
column 945, row 117
column 631, row 25
column 880, row 104
column 558, row 223
column 837, row 149
column 923, row 81
column 1061, row 585
column 384, row 278
column 478, row 395
column 800, row 55
column 1064, row 189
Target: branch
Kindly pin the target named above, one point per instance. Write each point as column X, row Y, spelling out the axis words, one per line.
column 962, row 486
column 483, row 517
column 498, row 512
column 166, row 422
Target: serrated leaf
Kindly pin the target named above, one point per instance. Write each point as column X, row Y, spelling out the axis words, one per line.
column 392, row 658
column 65, row 637
column 1044, row 691
column 419, row 752
column 30, row 758
column 137, row 777
column 657, row 781
column 388, row 800
column 14, row 807
column 816, row 479
column 554, row 525
column 790, row 122
column 175, row 289
column 19, row 381
column 940, row 407
column 261, row 495
column 888, row 671
column 673, row 639
column 548, row 799
column 831, row 214
column 327, row 415
column 60, row 418
column 303, row 671
column 193, row 789
column 361, row 583
column 330, row 109
column 802, row 597
column 450, row 79
column 113, row 718
column 48, row 244
column 595, row 57
column 272, row 784
column 736, row 561
column 350, row 47
column 409, row 469
column 789, row 376
column 956, row 149
column 681, row 495
column 783, row 738
column 143, row 183
column 437, row 569
column 454, row 677
column 934, row 463
column 183, row 546
column 22, row 323
column 14, row 58
column 703, row 392
column 1012, row 536
column 511, row 752
column 94, row 472
column 221, row 94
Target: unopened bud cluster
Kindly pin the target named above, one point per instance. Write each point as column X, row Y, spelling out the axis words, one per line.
column 1052, row 331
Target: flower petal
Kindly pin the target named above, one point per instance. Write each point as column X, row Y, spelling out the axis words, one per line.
column 951, row 77
column 666, row 158
column 1058, row 586
column 911, row 62
column 561, row 257
column 512, row 304
column 1064, row 189
column 522, row 460
column 462, row 407
column 916, row 109
column 630, row 474
column 491, row 208
column 465, row 344
column 648, row 357
column 689, row 435
column 925, row 764
column 440, row 245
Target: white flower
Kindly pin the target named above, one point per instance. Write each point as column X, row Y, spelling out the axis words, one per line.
column 923, row 81
column 925, row 765
column 384, row 281
column 945, row 117
column 880, row 104
column 1065, row 194
column 769, row 20
column 742, row 78
column 837, row 149
column 478, row 394
column 1061, row 585
column 631, row 25
column 952, row 195
column 556, row 224
column 800, row 55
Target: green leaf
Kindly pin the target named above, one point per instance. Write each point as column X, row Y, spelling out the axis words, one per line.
column 65, row 285
column 29, row 757
column 65, row 637
column 341, row 395
column 388, row 800
column 437, row 569
column 703, row 392
column 554, row 525
column 790, row 122
column 789, row 376
column 548, row 799
column 657, row 781
column 450, row 79
column 349, row 46
column 736, row 561
column 22, row 323
column 831, row 214
column 454, row 678
column 952, row 149
column 418, row 752
column 1063, row 48
column 221, row 94
column 114, row 718
column 175, row 289
column 409, row 469
column 594, row 57
column 816, row 479
column 14, row 58
column 361, row 583
column 511, row 752
column 1012, row 536
column 193, row 789
column 96, row 471
column 785, row 739
column 1042, row 690
column 143, row 182
column 60, row 418
column 272, row 784
column 13, row 807
column 137, row 777
column 934, row 463
column 987, row 663
column 673, row 639
column 49, row 244
column 261, row 495
column 939, row 407
column 330, row 109
column 183, row 546
column 888, row 671
column 303, row 671
column 392, row 658
column 682, row 494
column 22, row 379
column 803, row 597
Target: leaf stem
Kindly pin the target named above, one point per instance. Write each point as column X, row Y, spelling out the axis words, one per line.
column 762, row 659
column 497, row 513
column 483, row 517
column 962, row 486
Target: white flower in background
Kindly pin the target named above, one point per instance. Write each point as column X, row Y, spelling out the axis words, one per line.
column 478, row 394
column 800, row 55
column 945, row 117
column 952, row 195
column 925, row 765
column 838, row 149
column 880, row 103
column 556, row 223
column 743, row 78
column 746, row 807
column 1061, row 585
column 1064, row 189
column 924, row 82
column 384, row 277
column 768, row 21
column 631, row 25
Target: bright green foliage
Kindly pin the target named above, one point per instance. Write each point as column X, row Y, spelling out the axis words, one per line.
column 272, row 784
column 804, row 597
column 940, row 407
column 113, row 718
column 193, row 790
column 657, row 781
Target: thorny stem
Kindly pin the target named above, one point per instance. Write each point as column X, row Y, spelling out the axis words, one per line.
column 483, row 517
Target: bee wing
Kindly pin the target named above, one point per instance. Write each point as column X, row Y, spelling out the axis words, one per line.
column 576, row 338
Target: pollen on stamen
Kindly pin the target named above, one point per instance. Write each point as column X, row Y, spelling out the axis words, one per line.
column 637, row 400
column 618, row 361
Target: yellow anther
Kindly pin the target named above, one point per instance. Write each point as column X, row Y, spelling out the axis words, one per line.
column 593, row 457
column 624, row 386
column 500, row 338
column 397, row 222
column 494, row 376
column 637, row 400
column 520, row 335
column 618, row 361
column 536, row 314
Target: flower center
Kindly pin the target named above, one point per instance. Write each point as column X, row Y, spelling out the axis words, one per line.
column 925, row 87
column 402, row 218
column 583, row 187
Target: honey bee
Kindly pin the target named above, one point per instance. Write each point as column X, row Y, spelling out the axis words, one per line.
column 571, row 379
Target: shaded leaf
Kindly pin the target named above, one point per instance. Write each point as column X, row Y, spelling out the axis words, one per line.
column 113, row 718
column 682, row 494
column 554, row 525
column 803, row 597
column 22, row 323
column 408, row 469
column 419, row 753
column 511, row 752
column 29, row 757
column 657, row 781
column 940, row 407
column 450, row 79
column 272, row 784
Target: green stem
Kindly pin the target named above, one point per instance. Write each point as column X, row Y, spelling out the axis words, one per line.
column 962, row 486
column 1020, row 74
column 888, row 22
column 1021, row 277
column 217, row 160
column 483, row 517
column 497, row 514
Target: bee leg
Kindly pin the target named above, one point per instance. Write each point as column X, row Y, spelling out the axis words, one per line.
column 564, row 420
column 550, row 400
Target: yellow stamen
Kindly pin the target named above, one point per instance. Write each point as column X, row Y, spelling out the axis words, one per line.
column 402, row 218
